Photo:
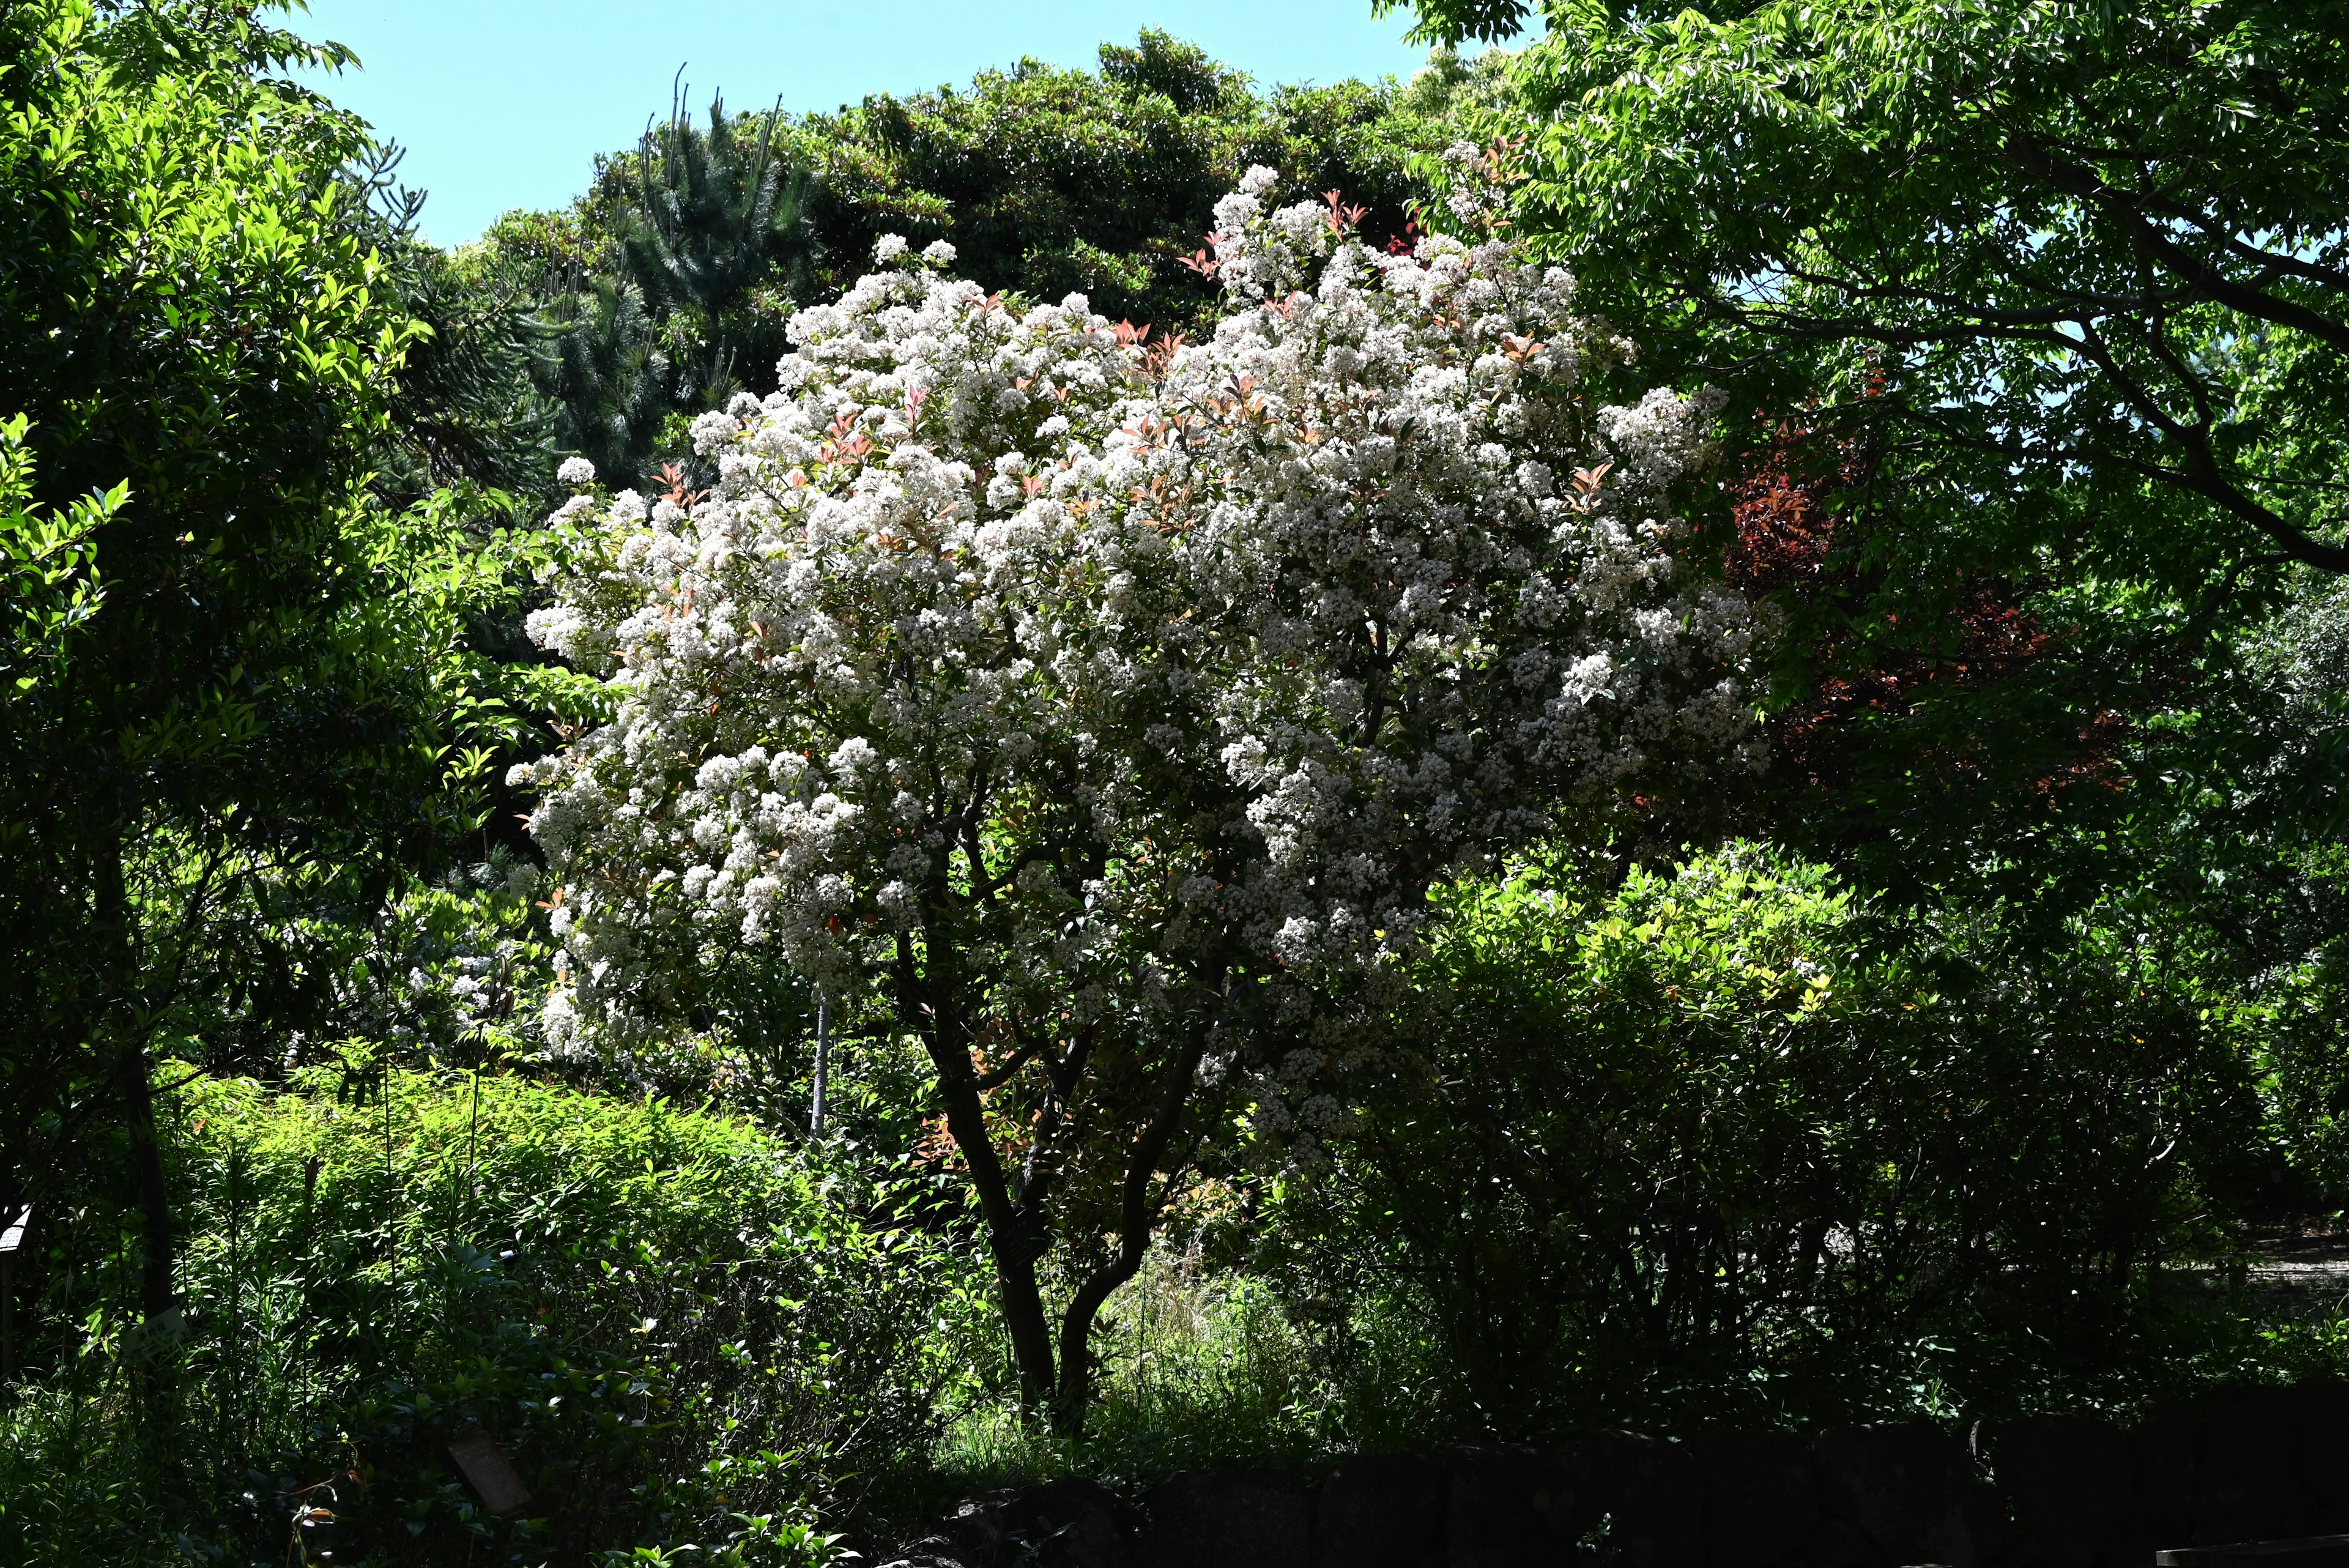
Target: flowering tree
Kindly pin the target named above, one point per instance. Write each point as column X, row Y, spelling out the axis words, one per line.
column 1117, row 706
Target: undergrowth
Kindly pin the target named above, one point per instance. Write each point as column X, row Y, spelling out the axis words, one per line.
column 700, row 1342
column 682, row 1331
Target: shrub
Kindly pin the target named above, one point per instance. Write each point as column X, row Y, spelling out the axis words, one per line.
column 679, row 1329
column 1719, row 1140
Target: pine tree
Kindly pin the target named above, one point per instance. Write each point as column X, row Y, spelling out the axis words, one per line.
column 687, row 303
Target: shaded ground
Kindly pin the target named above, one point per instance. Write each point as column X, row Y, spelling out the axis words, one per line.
column 2306, row 1269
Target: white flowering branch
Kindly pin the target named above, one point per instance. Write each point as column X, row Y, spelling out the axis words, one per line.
column 1116, row 710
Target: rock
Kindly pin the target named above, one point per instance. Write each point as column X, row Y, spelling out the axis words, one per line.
column 976, row 1531
column 1511, row 1508
column 1227, row 1518
column 2071, row 1482
column 933, row 1552
column 1987, row 1526
column 1062, row 1524
column 2191, row 1482
column 1835, row 1545
column 1761, row 1497
column 1382, row 1511
column 1646, row 1496
column 2314, row 1551
column 1904, row 1487
column 2168, row 1447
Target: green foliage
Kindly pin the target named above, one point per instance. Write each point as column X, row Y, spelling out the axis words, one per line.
column 1453, row 22
column 684, row 1334
column 467, row 410
column 1049, row 180
column 2050, row 299
column 2303, row 1003
column 2084, row 259
column 700, row 246
column 53, row 585
column 272, row 698
column 1724, row 1143
column 2298, row 667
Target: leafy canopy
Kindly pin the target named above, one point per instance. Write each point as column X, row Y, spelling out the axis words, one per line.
column 265, row 694
column 2090, row 260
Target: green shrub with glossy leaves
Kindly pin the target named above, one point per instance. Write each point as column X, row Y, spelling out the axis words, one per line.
column 682, row 1331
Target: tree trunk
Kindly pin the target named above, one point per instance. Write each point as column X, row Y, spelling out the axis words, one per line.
column 1136, row 1219
column 134, row 1086
column 931, row 1000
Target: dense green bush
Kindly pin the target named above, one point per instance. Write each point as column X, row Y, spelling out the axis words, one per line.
column 1723, row 1139
column 682, row 1331
column 1049, row 180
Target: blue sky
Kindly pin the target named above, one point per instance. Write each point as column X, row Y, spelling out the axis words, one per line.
column 505, row 103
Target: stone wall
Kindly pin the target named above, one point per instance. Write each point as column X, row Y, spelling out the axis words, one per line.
column 2051, row 1491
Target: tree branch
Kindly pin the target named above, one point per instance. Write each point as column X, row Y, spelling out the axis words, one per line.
column 2125, row 207
column 1137, row 1217
column 929, row 998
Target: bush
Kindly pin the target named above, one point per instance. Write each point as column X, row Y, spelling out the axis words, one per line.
column 1723, row 1143
column 681, row 1330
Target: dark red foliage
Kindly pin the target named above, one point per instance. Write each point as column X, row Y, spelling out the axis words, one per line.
column 1796, row 538
column 1781, row 509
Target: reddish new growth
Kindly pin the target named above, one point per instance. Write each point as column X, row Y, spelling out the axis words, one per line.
column 1343, row 217
column 1788, row 524
column 677, row 493
column 1782, row 511
column 1155, row 356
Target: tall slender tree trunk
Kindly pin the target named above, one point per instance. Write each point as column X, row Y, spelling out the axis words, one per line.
column 157, row 1293
column 1137, row 1218
column 134, row 1085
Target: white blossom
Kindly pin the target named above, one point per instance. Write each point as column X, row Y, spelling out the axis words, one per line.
column 1186, row 670
column 713, row 430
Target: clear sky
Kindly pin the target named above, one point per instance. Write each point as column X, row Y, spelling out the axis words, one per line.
column 505, row 103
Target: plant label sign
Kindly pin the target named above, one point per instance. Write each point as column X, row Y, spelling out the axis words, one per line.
column 489, row 1472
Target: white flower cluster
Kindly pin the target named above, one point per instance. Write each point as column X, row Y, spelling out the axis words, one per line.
column 1476, row 185
column 887, row 628
column 998, row 629
column 1443, row 594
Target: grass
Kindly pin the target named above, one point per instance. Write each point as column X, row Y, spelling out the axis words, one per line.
column 1195, row 1370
